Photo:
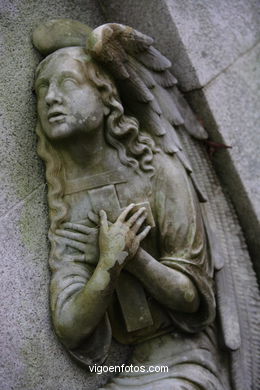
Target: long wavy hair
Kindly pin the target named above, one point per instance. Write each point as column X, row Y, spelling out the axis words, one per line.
column 122, row 132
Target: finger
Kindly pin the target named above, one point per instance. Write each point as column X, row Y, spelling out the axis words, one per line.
column 144, row 233
column 135, row 216
column 93, row 217
column 123, row 215
column 103, row 220
column 74, row 244
column 78, row 227
column 82, row 221
column 136, row 226
column 72, row 235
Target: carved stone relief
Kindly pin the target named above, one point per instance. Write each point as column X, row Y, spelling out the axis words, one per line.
column 134, row 251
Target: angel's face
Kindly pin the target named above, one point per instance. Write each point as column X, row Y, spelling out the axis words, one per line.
column 68, row 103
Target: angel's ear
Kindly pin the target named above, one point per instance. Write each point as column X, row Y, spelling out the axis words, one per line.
column 106, row 110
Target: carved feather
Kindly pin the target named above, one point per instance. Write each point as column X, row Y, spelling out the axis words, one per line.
column 150, row 120
column 153, row 59
column 131, row 39
column 169, row 108
column 191, row 123
column 165, row 78
column 136, row 89
column 238, row 291
column 144, row 74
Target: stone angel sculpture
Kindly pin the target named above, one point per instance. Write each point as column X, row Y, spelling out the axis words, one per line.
column 133, row 252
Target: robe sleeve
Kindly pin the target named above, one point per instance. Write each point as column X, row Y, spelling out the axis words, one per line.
column 183, row 240
column 70, row 273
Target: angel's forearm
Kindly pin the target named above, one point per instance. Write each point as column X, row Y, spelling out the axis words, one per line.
column 168, row 286
column 82, row 312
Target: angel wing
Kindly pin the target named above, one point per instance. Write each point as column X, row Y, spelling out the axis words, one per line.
column 147, row 87
column 149, row 92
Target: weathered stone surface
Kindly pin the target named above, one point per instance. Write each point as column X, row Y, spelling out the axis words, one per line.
column 200, row 37
column 154, row 18
column 31, row 357
column 229, row 107
column 21, row 172
column 57, row 33
column 203, row 39
column 214, row 34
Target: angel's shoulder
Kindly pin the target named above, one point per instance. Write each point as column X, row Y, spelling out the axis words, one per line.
column 168, row 168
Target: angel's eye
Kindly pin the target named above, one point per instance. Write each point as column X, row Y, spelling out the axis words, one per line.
column 41, row 89
column 69, row 82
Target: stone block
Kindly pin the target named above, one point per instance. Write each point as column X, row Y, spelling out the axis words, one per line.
column 214, row 34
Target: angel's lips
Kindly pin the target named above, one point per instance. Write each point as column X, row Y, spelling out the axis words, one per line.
column 56, row 116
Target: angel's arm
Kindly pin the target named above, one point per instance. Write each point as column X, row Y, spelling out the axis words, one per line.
column 178, row 278
column 79, row 302
column 168, row 286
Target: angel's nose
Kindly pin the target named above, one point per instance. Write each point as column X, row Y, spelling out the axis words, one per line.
column 53, row 95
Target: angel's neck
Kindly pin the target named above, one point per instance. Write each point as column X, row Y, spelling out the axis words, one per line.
column 85, row 155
